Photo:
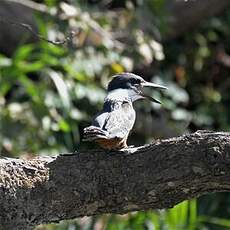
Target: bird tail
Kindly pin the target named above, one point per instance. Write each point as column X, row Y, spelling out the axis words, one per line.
column 92, row 133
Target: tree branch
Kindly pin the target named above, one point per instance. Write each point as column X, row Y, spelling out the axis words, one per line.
column 158, row 175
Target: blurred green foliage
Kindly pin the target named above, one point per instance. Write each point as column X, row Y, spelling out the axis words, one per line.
column 49, row 93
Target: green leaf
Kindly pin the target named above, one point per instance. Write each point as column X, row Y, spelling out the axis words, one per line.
column 64, row 126
column 4, row 61
column 215, row 220
column 23, row 52
column 61, row 88
column 27, row 67
column 192, row 214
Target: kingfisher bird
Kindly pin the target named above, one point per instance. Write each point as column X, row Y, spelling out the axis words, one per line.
column 110, row 127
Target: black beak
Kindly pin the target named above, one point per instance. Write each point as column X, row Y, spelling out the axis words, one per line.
column 154, row 86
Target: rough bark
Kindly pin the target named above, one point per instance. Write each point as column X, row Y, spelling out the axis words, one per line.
column 156, row 176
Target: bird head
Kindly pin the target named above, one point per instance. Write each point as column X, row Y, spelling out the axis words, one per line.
column 135, row 85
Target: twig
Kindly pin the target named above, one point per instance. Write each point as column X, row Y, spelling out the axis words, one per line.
column 39, row 36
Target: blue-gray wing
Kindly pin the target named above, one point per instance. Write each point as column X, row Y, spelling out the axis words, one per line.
column 119, row 122
column 115, row 121
column 100, row 119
